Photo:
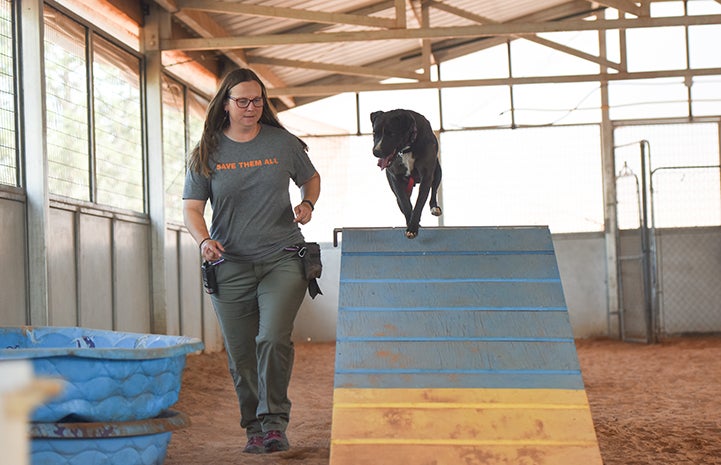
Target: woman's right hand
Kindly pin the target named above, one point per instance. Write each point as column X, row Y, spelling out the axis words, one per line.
column 211, row 250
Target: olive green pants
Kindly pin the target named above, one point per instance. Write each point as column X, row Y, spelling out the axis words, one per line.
column 256, row 305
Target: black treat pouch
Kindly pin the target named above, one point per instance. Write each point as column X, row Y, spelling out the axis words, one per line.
column 309, row 253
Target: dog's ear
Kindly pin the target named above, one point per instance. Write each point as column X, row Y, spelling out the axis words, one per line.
column 410, row 121
column 412, row 127
column 375, row 115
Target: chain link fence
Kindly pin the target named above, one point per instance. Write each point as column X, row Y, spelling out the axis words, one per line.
column 682, row 184
column 687, row 215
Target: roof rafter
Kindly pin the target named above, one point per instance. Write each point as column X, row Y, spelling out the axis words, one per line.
column 453, row 48
column 531, row 37
column 485, row 30
column 377, row 72
column 400, row 6
column 286, row 13
column 427, row 56
column 628, row 6
column 383, row 73
column 326, row 90
column 206, row 27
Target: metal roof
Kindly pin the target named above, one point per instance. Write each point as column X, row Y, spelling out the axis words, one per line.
column 307, row 49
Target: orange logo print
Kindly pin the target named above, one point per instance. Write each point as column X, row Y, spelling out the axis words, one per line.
column 245, row 164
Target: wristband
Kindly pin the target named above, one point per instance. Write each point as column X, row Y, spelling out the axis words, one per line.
column 200, row 246
column 312, row 207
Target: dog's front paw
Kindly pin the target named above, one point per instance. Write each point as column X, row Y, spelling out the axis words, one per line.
column 411, row 234
column 436, row 211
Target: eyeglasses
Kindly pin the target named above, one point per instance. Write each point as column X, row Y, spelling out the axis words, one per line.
column 245, row 102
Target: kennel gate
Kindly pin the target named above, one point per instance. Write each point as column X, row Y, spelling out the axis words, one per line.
column 636, row 265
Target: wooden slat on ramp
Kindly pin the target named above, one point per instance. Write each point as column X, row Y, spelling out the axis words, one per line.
column 455, row 348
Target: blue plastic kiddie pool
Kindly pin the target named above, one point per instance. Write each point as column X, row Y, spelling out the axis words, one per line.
column 109, row 376
column 141, row 442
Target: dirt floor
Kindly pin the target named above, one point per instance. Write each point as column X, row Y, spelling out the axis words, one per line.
column 651, row 404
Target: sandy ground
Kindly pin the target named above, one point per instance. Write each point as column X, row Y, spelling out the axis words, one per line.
column 651, row 404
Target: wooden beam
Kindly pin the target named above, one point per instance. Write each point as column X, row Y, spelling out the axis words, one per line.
column 533, row 38
column 118, row 21
column 204, row 25
column 575, row 52
column 382, row 73
column 454, row 48
column 130, row 9
column 448, row 49
column 628, row 6
column 400, row 14
column 326, row 90
column 168, row 5
column 157, row 25
column 461, row 13
column 486, row 30
column 286, row 13
column 426, row 47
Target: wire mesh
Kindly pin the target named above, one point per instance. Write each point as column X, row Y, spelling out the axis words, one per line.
column 685, row 208
column 687, row 203
column 8, row 152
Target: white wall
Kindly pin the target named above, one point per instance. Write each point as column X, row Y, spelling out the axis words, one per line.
column 581, row 263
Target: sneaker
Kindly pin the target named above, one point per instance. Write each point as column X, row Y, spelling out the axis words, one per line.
column 254, row 445
column 275, row 441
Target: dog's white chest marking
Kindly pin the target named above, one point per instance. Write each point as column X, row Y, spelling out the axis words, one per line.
column 408, row 161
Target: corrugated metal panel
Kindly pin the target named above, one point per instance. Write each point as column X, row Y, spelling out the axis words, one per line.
column 254, row 25
column 494, row 10
column 507, row 11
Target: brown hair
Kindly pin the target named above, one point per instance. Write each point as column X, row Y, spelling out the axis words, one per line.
column 216, row 119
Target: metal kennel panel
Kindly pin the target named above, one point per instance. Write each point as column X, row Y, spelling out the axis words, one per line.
column 634, row 243
column 689, row 256
column 683, row 206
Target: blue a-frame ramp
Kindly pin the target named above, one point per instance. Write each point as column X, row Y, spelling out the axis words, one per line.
column 455, row 348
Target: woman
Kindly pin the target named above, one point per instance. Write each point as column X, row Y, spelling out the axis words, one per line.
column 243, row 164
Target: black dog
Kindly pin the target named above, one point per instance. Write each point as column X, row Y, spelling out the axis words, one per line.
column 408, row 151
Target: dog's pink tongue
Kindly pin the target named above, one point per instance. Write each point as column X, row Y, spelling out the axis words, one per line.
column 384, row 162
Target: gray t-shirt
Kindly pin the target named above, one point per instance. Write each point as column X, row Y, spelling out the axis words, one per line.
column 249, row 192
